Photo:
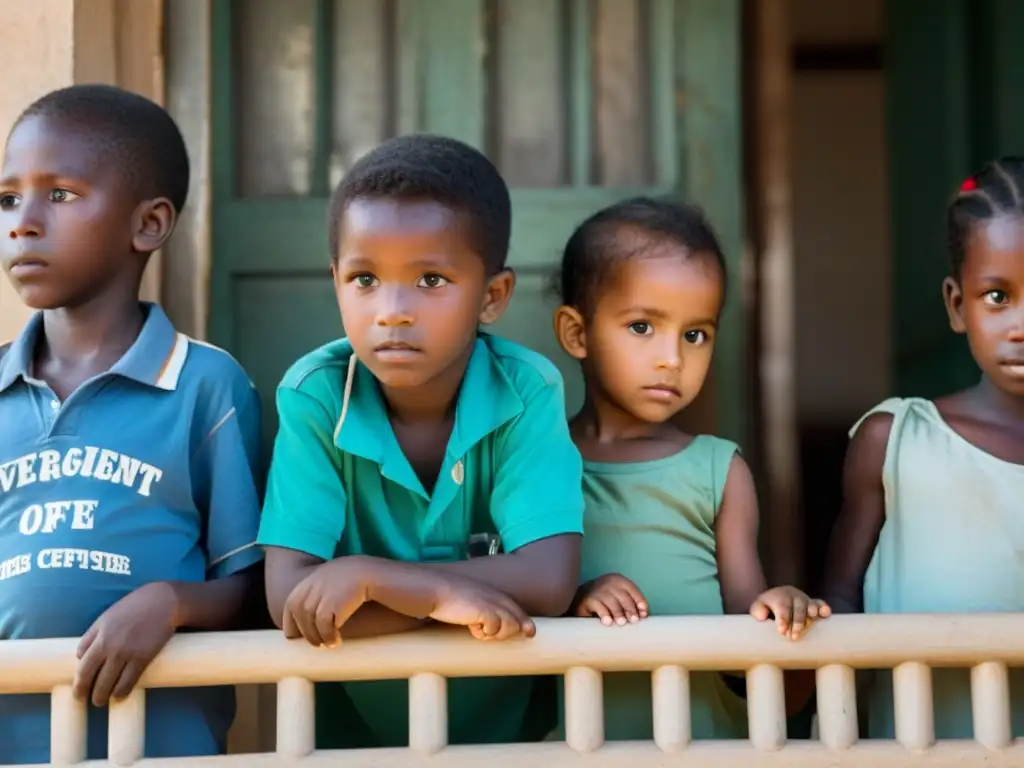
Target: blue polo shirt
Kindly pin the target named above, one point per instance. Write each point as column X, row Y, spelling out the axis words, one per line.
column 340, row 485
column 145, row 473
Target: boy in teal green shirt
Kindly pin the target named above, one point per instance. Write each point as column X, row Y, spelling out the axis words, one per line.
column 422, row 471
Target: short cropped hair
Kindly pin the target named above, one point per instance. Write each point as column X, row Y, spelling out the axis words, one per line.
column 137, row 135
column 437, row 168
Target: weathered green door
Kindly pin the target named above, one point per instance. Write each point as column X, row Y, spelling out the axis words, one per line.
column 578, row 102
column 955, row 72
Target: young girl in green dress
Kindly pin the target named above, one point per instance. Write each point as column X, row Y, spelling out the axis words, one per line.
column 671, row 519
column 931, row 519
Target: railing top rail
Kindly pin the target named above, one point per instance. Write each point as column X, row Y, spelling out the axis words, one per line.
column 706, row 642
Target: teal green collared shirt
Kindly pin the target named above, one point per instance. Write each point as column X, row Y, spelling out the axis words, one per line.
column 339, row 485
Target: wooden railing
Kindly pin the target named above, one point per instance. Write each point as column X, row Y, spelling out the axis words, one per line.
column 581, row 650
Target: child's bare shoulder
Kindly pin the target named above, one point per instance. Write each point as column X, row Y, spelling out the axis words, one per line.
column 869, row 442
column 873, row 429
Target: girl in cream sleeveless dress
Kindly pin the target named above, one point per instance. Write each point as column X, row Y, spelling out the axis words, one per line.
column 952, row 542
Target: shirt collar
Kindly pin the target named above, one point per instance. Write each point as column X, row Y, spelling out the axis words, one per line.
column 17, row 363
column 155, row 359
column 487, row 399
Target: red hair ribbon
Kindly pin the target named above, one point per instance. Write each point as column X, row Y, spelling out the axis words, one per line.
column 969, row 186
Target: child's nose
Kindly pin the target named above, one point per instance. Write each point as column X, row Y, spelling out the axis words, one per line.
column 671, row 361
column 26, row 223
column 393, row 308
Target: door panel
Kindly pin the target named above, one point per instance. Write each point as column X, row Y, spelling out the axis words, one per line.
column 578, row 102
column 954, row 76
column 282, row 317
column 274, row 46
column 926, row 70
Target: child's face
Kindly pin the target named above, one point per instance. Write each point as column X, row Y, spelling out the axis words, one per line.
column 649, row 342
column 988, row 301
column 412, row 289
column 65, row 218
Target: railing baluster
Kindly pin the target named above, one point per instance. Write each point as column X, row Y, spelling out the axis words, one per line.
column 990, row 700
column 912, row 705
column 584, row 709
column 126, row 738
column 670, row 698
column 428, row 713
column 68, row 722
column 766, row 707
column 837, row 706
column 296, row 717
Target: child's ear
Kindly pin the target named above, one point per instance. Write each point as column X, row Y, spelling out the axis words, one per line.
column 152, row 224
column 953, row 297
column 571, row 331
column 499, row 292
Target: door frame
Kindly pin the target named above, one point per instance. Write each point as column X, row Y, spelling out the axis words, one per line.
column 773, row 327
column 185, row 289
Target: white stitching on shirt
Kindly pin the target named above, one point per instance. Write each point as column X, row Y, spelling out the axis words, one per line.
column 349, row 378
column 224, row 420
column 232, row 553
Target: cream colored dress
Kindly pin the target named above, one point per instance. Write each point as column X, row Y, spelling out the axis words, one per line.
column 952, row 542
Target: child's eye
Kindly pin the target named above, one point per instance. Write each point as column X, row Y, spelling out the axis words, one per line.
column 8, row 200
column 996, row 297
column 641, row 329
column 695, row 337
column 364, row 280
column 62, row 196
column 432, row 281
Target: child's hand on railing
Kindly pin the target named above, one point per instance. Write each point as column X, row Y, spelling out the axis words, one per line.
column 792, row 608
column 612, row 598
column 121, row 643
column 488, row 613
column 322, row 602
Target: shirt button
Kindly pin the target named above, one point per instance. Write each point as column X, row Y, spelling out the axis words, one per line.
column 55, row 405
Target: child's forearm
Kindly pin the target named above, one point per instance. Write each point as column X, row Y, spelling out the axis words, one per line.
column 287, row 568
column 374, row 620
column 209, row 605
column 399, row 596
column 405, row 588
column 542, row 577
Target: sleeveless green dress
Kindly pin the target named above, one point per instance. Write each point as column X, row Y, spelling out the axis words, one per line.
column 654, row 522
column 952, row 542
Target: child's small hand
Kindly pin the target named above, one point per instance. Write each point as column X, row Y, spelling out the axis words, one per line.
column 122, row 642
column 322, row 602
column 612, row 598
column 488, row 613
column 793, row 610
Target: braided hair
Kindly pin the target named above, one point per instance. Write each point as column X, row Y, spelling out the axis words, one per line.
column 996, row 190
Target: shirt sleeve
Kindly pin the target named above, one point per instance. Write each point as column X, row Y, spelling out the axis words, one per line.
column 305, row 503
column 538, row 489
column 225, row 471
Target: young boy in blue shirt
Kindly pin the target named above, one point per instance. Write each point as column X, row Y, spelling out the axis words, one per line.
column 128, row 504
column 411, row 452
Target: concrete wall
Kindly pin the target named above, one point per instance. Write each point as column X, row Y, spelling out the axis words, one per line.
column 37, row 38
